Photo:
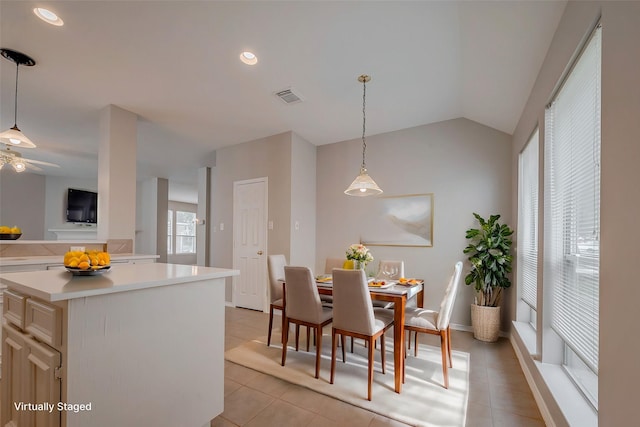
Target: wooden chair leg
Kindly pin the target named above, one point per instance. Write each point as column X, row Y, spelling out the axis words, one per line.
column 344, row 342
column 285, row 339
column 449, row 346
column 318, row 350
column 382, row 352
column 409, row 340
column 282, row 326
column 415, row 345
column 297, row 336
column 404, row 369
column 309, row 336
column 270, row 325
column 334, row 343
column 370, row 376
column 351, row 344
column 443, row 348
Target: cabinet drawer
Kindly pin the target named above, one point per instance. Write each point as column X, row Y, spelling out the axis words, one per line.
column 44, row 322
column 13, row 307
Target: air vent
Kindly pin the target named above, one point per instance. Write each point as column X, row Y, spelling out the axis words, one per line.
column 289, row 96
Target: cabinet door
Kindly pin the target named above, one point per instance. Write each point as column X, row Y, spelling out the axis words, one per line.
column 40, row 373
column 14, row 354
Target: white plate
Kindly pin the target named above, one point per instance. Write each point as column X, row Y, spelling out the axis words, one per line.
column 385, row 286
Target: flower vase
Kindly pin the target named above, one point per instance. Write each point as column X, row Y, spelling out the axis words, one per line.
column 358, row 265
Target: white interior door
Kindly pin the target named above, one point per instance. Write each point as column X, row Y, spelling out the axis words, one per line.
column 250, row 243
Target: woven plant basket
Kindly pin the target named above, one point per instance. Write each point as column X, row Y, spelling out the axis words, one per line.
column 486, row 322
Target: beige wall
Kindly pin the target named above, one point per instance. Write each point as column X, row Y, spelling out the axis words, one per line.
column 22, row 202
column 619, row 373
column 467, row 167
column 303, row 202
column 620, row 201
column 266, row 157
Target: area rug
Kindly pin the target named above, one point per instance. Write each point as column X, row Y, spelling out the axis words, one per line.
column 423, row 401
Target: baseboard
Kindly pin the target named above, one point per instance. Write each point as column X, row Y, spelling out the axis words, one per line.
column 459, row 327
column 468, row 328
column 542, row 406
column 229, row 304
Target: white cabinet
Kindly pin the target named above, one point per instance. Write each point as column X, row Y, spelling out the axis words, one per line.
column 31, row 368
column 105, row 342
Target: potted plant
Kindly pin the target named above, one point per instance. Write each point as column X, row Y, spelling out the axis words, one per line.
column 490, row 257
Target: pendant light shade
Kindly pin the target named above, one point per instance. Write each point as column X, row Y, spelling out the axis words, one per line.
column 363, row 185
column 13, row 135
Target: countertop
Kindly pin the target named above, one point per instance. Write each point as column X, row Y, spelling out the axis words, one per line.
column 60, row 285
column 58, row 259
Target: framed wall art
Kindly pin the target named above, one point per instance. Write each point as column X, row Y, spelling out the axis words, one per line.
column 405, row 220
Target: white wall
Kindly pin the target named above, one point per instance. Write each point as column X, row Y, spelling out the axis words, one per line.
column 151, row 217
column 22, row 203
column 467, row 167
column 619, row 373
column 56, row 199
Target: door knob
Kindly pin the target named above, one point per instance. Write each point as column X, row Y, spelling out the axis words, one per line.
column 259, row 252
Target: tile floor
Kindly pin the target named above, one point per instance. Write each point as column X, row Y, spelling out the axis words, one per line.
column 499, row 395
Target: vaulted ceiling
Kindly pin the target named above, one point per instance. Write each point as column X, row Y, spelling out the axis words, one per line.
column 176, row 65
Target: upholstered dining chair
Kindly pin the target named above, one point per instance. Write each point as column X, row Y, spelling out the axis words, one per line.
column 304, row 308
column 329, row 265
column 354, row 316
column 332, row 263
column 436, row 322
column 275, row 265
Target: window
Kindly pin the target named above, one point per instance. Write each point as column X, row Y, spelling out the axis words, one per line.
column 185, row 232
column 528, row 227
column 182, row 236
column 572, row 216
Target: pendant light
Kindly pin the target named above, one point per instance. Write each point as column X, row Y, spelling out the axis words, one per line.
column 363, row 185
column 14, row 135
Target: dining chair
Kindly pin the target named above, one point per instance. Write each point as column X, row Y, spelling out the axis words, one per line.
column 275, row 265
column 354, row 316
column 304, row 308
column 436, row 322
column 332, row 263
column 329, row 265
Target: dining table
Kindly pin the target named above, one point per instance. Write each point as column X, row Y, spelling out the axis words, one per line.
column 398, row 294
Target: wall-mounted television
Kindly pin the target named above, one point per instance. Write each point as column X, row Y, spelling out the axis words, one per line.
column 82, row 206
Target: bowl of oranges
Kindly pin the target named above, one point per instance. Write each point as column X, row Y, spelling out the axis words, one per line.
column 10, row 233
column 87, row 263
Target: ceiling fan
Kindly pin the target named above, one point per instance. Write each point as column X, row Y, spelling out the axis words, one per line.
column 19, row 163
column 14, row 136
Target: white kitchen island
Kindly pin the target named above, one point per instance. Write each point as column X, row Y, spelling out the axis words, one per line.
column 141, row 344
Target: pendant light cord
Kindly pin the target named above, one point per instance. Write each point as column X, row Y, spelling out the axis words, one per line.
column 15, row 100
column 364, row 121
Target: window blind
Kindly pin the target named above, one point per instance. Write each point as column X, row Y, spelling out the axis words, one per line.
column 572, row 205
column 528, row 222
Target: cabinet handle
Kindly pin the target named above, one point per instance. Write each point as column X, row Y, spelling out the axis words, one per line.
column 259, row 252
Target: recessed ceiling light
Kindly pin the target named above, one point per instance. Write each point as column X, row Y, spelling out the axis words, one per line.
column 249, row 58
column 48, row 16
